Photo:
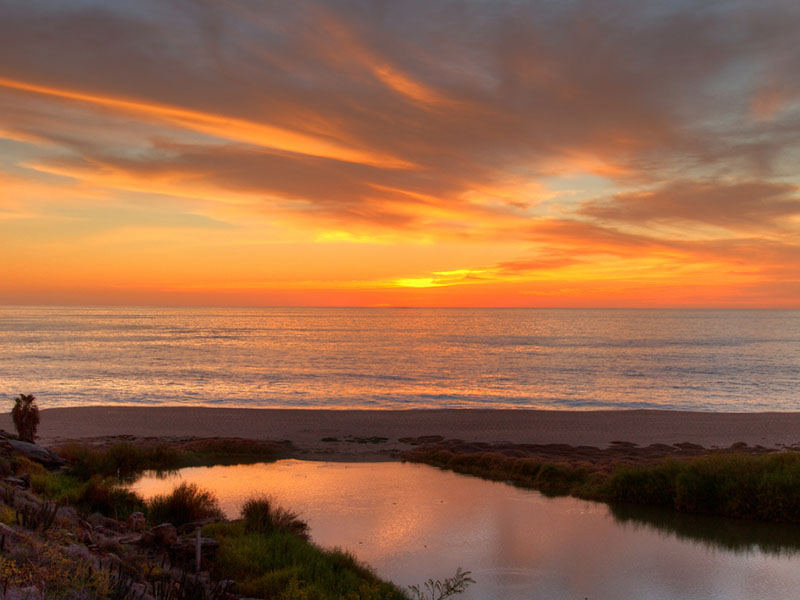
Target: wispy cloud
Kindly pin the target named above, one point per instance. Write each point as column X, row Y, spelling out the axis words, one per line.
column 443, row 133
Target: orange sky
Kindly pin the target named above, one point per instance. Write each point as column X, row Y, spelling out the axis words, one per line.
column 468, row 153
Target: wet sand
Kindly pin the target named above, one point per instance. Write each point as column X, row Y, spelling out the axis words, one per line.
column 376, row 434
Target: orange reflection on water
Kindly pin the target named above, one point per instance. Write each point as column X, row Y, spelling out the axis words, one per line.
column 389, row 516
column 411, row 522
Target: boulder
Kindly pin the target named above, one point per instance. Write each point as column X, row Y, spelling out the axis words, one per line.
column 136, row 522
column 68, row 515
column 97, row 520
column 33, row 452
column 23, row 482
column 165, row 534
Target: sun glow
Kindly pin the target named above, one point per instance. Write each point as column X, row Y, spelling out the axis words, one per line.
column 324, row 157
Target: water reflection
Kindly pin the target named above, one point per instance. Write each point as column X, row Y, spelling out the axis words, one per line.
column 733, row 535
column 412, row 522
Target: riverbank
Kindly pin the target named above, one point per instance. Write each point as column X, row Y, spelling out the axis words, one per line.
column 384, row 435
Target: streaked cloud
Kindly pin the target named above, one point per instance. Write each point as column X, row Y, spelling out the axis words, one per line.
column 403, row 152
column 744, row 205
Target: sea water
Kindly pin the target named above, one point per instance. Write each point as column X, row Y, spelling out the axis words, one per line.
column 714, row 360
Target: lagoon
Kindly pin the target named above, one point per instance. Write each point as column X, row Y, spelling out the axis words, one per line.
column 412, row 522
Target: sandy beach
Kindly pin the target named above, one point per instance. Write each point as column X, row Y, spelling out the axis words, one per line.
column 358, row 433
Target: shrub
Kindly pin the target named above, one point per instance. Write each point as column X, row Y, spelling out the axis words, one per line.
column 26, row 416
column 260, row 516
column 104, row 496
column 186, row 504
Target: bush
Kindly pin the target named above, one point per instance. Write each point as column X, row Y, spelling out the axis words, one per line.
column 26, row 416
column 186, row 504
column 260, row 516
column 104, row 496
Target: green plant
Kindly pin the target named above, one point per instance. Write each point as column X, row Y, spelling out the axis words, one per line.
column 441, row 589
column 187, row 503
column 261, row 516
column 284, row 566
column 12, row 574
column 106, row 497
column 37, row 517
column 118, row 460
column 26, row 416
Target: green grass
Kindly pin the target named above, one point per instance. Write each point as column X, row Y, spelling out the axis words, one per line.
column 127, row 460
column 283, row 565
column 552, row 478
column 123, row 460
column 98, row 494
column 764, row 487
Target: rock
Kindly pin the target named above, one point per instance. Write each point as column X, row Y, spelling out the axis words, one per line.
column 85, row 537
column 97, row 520
column 78, row 551
column 165, row 534
column 23, row 482
column 68, row 513
column 136, row 522
column 12, row 533
column 67, row 516
column 187, row 546
column 148, row 538
column 33, row 452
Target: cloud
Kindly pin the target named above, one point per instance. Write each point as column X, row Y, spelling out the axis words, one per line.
column 563, row 136
column 443, row 88
column 742, row 205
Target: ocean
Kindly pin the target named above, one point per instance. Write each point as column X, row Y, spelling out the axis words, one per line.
column 710, row 360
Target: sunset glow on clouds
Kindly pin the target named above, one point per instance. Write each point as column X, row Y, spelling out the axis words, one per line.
column 453, row 153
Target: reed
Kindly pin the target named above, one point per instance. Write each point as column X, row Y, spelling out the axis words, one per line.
column 764, row 487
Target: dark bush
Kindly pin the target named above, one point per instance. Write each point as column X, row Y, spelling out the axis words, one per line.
column 262, row 516
column 187, row 503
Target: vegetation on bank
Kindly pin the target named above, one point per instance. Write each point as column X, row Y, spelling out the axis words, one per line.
column 764, row 487
column 127, row 460
column 280, row 564
column 267, row 552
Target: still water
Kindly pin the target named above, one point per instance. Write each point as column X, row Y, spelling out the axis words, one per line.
column 715, row 360
column 412, row 522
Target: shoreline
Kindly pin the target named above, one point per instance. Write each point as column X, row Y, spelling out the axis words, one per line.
column 363, row 434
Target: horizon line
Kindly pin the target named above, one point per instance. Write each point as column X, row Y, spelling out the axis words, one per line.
column 404, row 307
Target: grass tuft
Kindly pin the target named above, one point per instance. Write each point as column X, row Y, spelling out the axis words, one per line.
column 262, row 516
column 187, row 503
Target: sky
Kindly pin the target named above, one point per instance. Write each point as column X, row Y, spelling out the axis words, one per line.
column 380, row 153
